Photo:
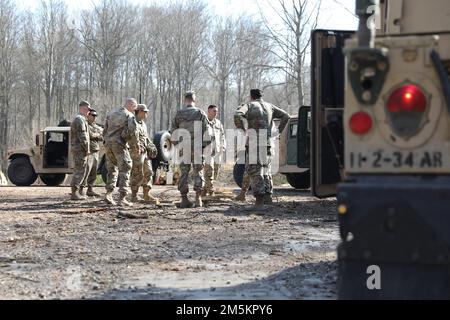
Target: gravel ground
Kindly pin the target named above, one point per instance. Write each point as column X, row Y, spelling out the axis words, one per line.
column 52, row 248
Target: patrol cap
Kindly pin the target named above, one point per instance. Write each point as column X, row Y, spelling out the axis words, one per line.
column 189, row 94
column 257, row 93
column 93, row 113
column 84, row 103
column 142, row 107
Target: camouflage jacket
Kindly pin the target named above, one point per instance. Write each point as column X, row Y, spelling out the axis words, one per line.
column 120, row 127
column 96, row 136
column 217, row 133
column 79, row 134
column 141, row 143
column 186, row 119
column 260, row 115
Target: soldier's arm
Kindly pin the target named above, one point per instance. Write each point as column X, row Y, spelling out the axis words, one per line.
column 129, row 133
column 239, row 116
column 83, row 134
column 207, row 139
column 283, row 116
column 152, row 151
column 222, row 137
column 96, row 134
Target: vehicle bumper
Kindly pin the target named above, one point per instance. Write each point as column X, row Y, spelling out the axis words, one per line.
column 401, row 225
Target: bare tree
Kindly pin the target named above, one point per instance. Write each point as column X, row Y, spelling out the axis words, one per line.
column 292, row 39
column 8, row 44
column 108, row 33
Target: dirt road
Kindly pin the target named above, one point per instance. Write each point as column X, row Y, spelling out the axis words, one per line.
column 52, row 248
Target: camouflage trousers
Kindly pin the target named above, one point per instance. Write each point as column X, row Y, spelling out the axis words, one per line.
column 119, row 164
column 142, row 173
column 260, row 175
column 199, row 180
column 91, row 175
column 212, row 171
column 80, row 170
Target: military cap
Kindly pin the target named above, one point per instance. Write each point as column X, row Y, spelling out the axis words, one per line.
column 93, row 113
column 142, row 107
column 85, row 104
column 257, row 93
column 189, row 94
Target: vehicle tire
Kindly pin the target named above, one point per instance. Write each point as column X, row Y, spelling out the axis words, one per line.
column 52, row 179
column 299, row 181
column 238, row 174
column 21, row 173
column 104, row 173
column 164, row 146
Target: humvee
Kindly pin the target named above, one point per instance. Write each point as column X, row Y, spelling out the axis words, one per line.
column 50, row 159
column 380, row 142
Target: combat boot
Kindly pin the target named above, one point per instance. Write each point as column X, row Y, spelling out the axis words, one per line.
column 198, row 200
column 109, row 198
column 148, row 198
column 134, row 197
column 91, row 193
column 81, row 192
column 75, row 196
column 258, row 206
column 185, row 202
column 268, row 199
column 123, row 201
column 241, row 197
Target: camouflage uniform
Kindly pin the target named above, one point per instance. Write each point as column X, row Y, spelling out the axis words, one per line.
column 185, row 119
column 80, row 142
column 140, row 147
column 96, row 136
column 119, row 128
column 260, row 116
column 218, row 144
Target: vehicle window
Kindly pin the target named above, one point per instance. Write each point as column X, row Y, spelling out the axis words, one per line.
column 294, row 130
column 55, row 137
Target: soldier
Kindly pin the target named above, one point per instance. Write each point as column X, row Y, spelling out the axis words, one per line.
column 119, row 129
column 242, row 197
column 260, row 115
column 96, row 136
column 218, row 147
column 186, row 119
column 80, row 143
column 142, row 152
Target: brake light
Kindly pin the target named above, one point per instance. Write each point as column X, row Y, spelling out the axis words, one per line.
column 361, row 123
column 409, row 98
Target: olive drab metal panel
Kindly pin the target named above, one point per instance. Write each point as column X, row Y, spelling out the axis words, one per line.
column 304, row 137
column 407, row 129
column 327, row 137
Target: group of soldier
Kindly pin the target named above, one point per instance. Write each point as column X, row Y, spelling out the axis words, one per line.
column 129, row 151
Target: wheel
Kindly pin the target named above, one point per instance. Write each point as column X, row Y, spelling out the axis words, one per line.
column 238, row 174
column 52, row 179
column 104, row 174
column 299, row 180
column 164, row 146
column 21, row 172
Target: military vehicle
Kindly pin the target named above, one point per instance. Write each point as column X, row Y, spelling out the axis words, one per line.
column 296, row 136
column 384, row 151
column 51, row 159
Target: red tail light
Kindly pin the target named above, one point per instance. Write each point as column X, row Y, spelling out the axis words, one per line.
column 409, row 98
column 361, row 123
